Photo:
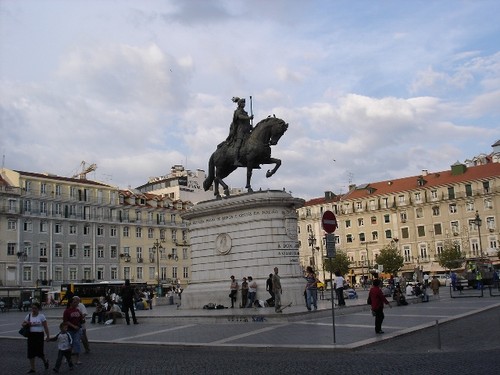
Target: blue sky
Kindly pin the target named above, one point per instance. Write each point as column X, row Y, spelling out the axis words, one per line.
column 372, row 90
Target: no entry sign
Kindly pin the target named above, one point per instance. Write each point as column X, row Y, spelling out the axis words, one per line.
column 329, row 222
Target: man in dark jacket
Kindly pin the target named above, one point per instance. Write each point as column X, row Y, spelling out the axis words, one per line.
column 127, row 294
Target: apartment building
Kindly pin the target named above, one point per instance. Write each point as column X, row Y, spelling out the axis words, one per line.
column 55, row 229
column 416, row 214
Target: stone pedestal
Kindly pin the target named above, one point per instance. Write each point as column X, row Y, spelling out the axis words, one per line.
column 244, row 235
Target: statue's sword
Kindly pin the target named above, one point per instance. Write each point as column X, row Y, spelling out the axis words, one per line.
column 251, row 110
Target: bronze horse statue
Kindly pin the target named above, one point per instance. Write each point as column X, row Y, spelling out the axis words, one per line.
column 256, row 150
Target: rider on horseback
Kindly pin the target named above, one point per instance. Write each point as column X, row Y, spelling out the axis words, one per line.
column 240, row 128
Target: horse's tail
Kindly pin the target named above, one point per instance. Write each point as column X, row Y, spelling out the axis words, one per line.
column 211, row 174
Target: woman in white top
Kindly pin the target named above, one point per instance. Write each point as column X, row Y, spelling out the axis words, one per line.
column 38, row 324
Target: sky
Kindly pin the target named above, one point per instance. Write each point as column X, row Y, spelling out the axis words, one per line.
column 371, row 90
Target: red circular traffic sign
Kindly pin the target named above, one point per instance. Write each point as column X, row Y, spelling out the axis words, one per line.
column 329, row 222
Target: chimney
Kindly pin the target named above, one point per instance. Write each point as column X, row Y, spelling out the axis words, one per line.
column 425, row 172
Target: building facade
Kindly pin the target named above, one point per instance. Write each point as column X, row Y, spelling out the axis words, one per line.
column 416, row 214
column 55, row 230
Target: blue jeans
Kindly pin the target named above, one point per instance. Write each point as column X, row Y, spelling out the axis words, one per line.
column 76, row 336
column 251, row 298
column 312, row 298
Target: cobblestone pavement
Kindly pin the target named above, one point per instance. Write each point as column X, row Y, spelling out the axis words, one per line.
column 164, row 343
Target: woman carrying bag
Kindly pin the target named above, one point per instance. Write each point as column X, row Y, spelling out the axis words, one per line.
column 37, row 324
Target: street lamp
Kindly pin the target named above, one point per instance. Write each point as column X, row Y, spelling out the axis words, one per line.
column 478, row 222
column 312, row 242
column 157, row 245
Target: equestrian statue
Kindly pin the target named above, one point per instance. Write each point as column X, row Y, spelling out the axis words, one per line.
column 246, row 146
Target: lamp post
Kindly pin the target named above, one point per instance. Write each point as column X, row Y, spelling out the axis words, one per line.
column 157, row 245
column 312, row 242
column 478, row 222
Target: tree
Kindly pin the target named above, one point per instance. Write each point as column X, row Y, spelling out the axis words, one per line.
column 340, row 262
column 390, row 258
column 451, row 256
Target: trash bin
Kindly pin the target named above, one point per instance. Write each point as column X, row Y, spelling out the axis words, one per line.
column 170, row 300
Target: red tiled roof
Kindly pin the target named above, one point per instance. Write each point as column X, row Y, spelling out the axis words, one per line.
column 435, row 179
column 59, row 178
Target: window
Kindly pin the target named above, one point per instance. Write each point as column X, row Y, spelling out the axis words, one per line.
column 468, row 190
column 387, row 218
column 453, row 208
column 125, row 231
column 138, row 251
column 360, row 222
column 434, row 195
column 474, row 245
column 86, row 229
column 113, row 251
column 43, row 249
column 114, row 273
column 388, row 233
column 58, row 274
column 152, row 273
column 58, row 250
column 100, row 231
column 454, row 227
column 185, row 254
column 419, row 213
column 11, row 248
column 86, row 251
column 435, row 211
column 151, row 233
column 87, row 273
column 373, row 220
column 362, row 237
column 423, row 251
column 487, row 204
column 348, row 223
column 112, row 232
column 138, row 232
column 486, row 187
column 11, row 224
column 43, row 208
column 385, row 202
column 185, row 272
column 58, row 190
column 374, row 235
column 490, row 223
column 58, row 228
column 421, row 231
column 27, row 206
column 401, row 199
column 439, row 247
column 42, row 275
column 27, row 275
column 73, row 273
column 72, row 229
column 407, row 253
column 403, row 216
column 469, row 206
column 405, row 232
column 172, row 218
column 72, row 251
column 349, row 238
column 139, row 273
column 28, row 226
column 359, row 206
column 437, row 229
column 418, row 197
column 100, row 251
column 174, row 272
column 451, row 193
column 373, row 205
column 100, row 273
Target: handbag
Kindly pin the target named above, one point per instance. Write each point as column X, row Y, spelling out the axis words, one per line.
column 25, row 330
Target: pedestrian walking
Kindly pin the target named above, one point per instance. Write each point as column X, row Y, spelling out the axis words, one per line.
column 244, row 292
column 269, row 288
column 233, row 291
column 377, row 301
column 37, row 324
column 311, row 289
column 64, row 343
column 339, row 288
column 127, row 294
column 277, row 291
column 73, row 317
column 83, row 310
column 435, row 284
column 252, row 291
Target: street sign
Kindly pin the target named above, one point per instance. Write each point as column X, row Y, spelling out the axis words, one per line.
column 330, row 245
column 329, row 222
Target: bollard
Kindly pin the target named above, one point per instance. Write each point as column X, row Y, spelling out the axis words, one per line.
column 438, row 335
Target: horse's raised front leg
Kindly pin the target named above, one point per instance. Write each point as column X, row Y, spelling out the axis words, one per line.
column 249, row 177
column 269, row 173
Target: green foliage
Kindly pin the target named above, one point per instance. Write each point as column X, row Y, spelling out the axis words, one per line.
column 341, row 262
column 390, row 258
column 451, row 256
